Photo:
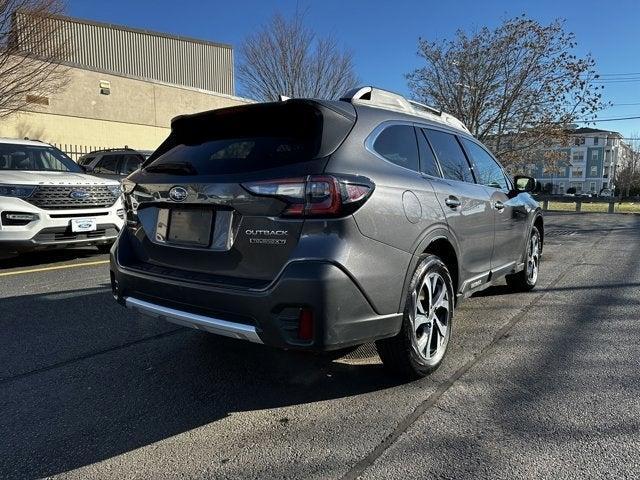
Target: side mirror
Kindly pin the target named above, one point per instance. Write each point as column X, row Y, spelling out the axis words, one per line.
column 525, row 184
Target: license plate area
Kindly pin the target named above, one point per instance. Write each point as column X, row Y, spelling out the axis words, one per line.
column 190, row 227
column 79, row 225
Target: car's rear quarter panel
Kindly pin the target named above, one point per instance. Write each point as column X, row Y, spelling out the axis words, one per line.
column 400, row 214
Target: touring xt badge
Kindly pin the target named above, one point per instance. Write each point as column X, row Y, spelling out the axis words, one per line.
column 267, row 237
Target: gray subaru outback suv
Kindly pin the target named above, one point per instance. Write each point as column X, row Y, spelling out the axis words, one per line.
column 320, row 225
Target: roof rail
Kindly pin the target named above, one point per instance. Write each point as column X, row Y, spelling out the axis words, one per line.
column 380, row 98
column 423, row 106
column 126, row 147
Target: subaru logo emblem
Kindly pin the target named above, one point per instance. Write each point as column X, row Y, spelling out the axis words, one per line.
column 178, row 194
column 79, row 194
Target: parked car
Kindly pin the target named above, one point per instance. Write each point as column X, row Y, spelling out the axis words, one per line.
column 146, row 153
column 114, row 163
column 47, row 201
column 319, row 225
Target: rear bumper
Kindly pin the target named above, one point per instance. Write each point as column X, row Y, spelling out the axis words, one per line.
column 342, row 316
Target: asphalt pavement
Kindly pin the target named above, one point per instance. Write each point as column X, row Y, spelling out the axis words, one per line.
column 537, row 385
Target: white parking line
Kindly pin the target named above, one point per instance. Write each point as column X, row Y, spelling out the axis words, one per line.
column 58, row 267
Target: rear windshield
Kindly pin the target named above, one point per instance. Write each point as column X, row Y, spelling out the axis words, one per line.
column 249, row 138
column 233, row 155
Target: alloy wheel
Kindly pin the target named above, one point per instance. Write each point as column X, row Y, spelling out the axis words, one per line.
column 431, row 316
column 533, row 258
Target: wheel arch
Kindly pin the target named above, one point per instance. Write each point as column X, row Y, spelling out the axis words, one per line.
column 444, row 249
column 538, row 222
column 441, row 243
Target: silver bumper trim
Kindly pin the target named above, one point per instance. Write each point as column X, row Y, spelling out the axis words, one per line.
column 200, row 322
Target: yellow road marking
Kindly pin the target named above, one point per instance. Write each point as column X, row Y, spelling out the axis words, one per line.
column 58, row 267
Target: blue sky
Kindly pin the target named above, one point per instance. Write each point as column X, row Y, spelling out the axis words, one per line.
column 383, row 35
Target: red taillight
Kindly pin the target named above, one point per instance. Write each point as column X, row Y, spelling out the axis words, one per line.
column 357, row 192
column 315, row 195
column 323, row 196
column 305, row 324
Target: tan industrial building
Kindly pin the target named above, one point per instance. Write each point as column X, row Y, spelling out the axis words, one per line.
column 124, row 87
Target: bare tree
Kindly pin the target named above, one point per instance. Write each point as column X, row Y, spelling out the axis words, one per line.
column 517, row 87
column 628, row 175
column 287, row 58
column 32, row 45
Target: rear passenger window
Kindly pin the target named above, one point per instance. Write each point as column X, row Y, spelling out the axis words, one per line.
column 450, row 155
column 428, row 162
column 397, row 144
column 486, row 168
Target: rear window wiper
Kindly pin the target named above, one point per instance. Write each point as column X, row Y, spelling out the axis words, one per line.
column 177, row 168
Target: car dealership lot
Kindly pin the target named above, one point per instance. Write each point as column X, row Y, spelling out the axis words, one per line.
column 543, row 384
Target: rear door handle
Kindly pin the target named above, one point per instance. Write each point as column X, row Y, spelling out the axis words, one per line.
column 498, row 205
column 452, row 202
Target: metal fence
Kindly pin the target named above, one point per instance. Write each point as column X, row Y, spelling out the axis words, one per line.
column 76, row 151
column 578, row 201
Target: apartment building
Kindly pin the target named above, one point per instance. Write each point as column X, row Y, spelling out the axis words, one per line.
column 590, row 163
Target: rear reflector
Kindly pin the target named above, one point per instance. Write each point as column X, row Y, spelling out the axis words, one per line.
column 315, row 195
column 305, row 324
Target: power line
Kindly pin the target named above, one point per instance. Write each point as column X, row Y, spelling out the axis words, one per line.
column 617, row 79
column 609, row 76
column 618, row 74
column 595, row 120
column 605, row 78
column 614, row 105
column 608, row 82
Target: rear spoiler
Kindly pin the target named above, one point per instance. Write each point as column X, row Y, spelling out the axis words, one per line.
column 332, row 120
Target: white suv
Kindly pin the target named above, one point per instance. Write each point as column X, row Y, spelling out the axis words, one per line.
column 47, row 201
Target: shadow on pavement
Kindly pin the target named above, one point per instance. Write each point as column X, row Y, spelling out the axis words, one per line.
column 110, row 381
column 46, row 257
column 585, row 364
column 570, row 390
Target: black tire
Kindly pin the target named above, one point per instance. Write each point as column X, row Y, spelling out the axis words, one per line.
column 526, row 279
column 104, row 248
column 401, row 354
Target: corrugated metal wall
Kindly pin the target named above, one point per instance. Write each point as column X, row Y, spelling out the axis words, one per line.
column 141, row 54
